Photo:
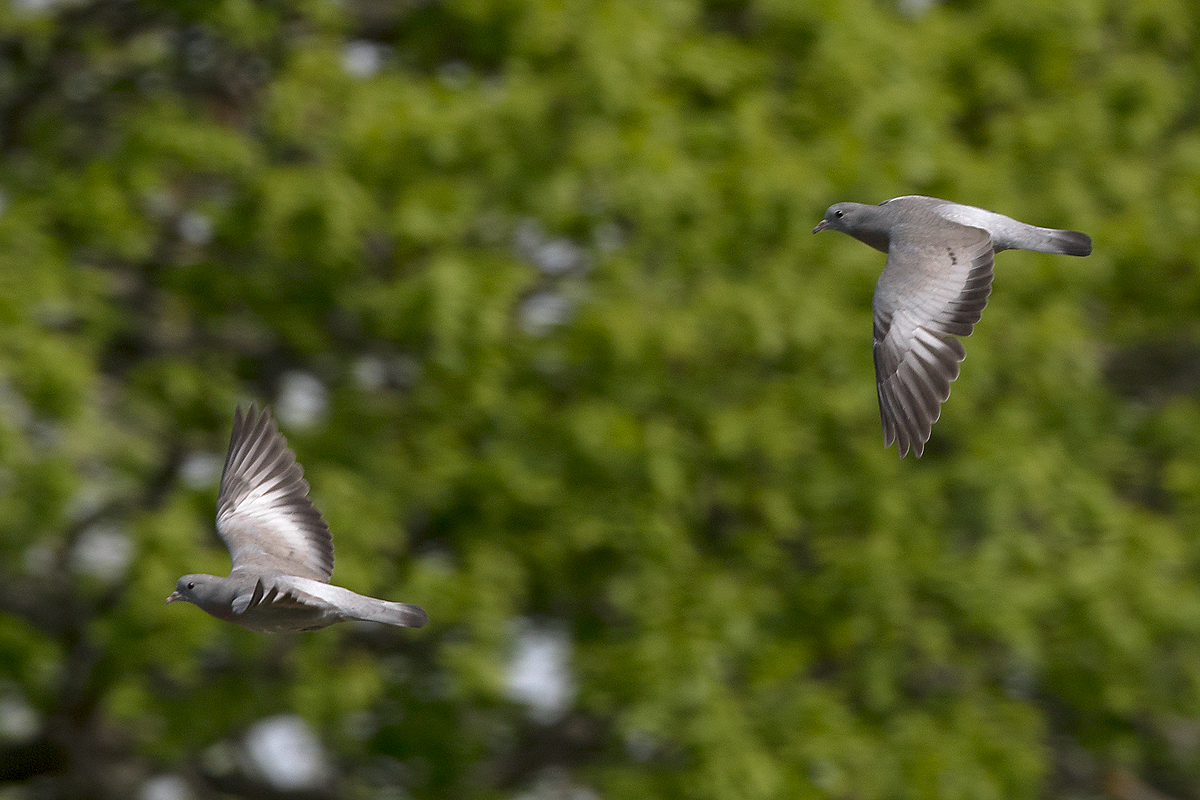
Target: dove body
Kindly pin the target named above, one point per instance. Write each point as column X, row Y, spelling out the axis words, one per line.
column 934, row 287
column 281, row 549
column 873, row 225
column 286, row 603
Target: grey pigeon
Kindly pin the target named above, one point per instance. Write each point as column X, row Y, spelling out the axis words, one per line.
column 934, row 286
column 280, row 546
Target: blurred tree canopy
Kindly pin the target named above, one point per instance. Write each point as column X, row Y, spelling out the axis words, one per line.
column 531, row 287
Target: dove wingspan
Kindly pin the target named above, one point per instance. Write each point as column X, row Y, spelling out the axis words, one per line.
column 264, row 514
column 928, row 294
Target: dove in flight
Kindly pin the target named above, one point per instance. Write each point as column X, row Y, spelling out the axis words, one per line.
column 281, row 549
column 934, row 286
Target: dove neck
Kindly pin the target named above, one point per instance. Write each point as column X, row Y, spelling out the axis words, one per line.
column 217, row 596
column 875, row 235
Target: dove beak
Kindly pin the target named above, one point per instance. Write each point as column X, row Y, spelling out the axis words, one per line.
column 822, row 225
column 173, row 597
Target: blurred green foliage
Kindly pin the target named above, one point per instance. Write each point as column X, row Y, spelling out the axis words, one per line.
column 531, row 285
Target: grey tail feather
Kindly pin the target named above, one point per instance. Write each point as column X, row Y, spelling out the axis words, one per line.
column 404, row 615
column 1071, row 243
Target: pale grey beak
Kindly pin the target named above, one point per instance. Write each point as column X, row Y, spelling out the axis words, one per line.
column 822, row 225
column 174, row 596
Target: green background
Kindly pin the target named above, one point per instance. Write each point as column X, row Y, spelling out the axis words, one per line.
column 546, row 270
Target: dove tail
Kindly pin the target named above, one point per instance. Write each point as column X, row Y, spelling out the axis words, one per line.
column 1071, row 243
column 404, row 615
column 1042, row 240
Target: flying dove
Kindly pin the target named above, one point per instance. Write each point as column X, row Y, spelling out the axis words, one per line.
column 280, row 546
column 934, row 286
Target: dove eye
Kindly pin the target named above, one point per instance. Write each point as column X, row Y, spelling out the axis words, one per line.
column 191, row 585
column 838, row 214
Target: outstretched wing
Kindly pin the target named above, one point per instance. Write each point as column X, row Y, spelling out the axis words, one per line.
column 928, row 294
column 263, row 511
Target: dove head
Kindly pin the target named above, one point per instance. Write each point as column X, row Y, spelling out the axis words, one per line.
column 861, row 221
column 196, row 589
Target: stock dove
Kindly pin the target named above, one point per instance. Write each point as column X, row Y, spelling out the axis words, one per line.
column 934, row 287
column 280, row 546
